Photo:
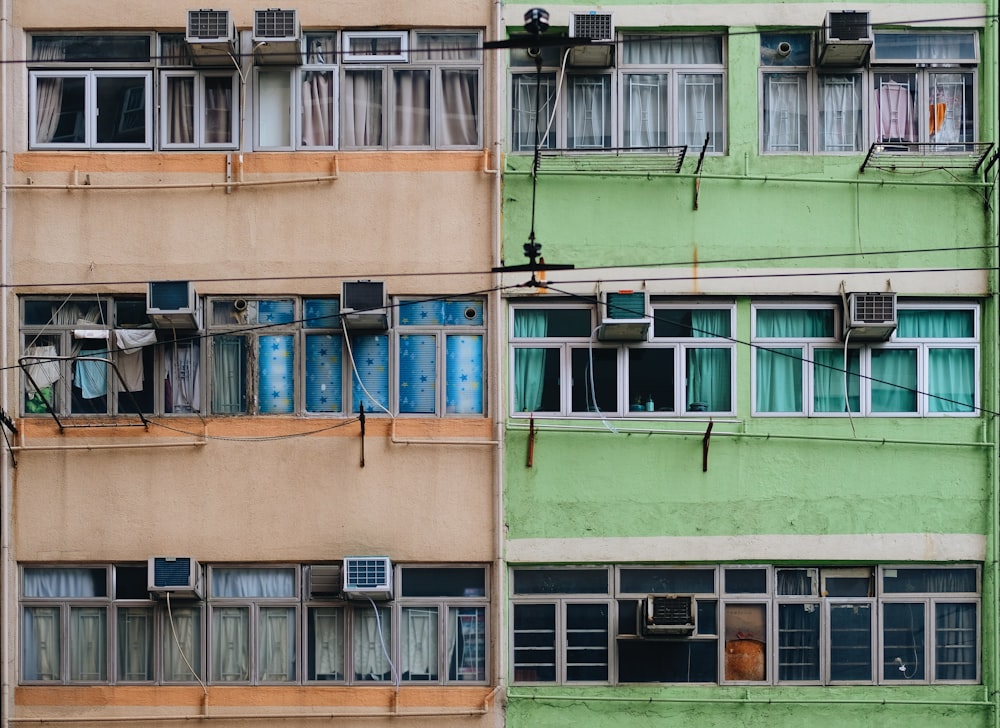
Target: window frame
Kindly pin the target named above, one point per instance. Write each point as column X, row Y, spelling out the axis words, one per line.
column 200, row 77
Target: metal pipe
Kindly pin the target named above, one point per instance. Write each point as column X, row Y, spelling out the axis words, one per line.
column 251, row 716
column 122, row 446
column 176, row 185
column 748, row 700
column 764, row 435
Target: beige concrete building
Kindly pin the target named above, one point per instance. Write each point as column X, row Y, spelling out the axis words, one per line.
column 250, row 461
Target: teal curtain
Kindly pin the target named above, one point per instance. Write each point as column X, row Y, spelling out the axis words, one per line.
column 828, row 380
column 779, row 369
column 529, row 364
column 709, row 370
column 951, row 375
column 894, row 380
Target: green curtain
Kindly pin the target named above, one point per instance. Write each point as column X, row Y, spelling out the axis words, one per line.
column 894, row 380
column 709, row 374
column 529, row 364
column 779, row 369
column 951, row 375
column 828, row 380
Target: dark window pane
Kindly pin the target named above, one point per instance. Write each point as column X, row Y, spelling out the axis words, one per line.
column 955, row 637
column 903, row 642
column 677, row 661
column 650, row 379
column 121, row 110
column 444, row 582
column 910, row 581
column 746, row 581
column 560, row 581
column 131, row 582
column 595, row 380
column 586, row 642
column 850, row 642
column 668, row 581
column 798, row 641
column 534, row 642
column 83, row 48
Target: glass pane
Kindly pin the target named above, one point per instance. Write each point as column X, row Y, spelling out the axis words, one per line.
column 588, row 111
column 951, row 380
column 253, row 582
column 276, row 362
column 459, row 108
column 686, row 323
column 318, row 108
column 668, row 661
column 321, row 313
column 367, row 45
column 586, row 642
column 672, row 49
column 121, row 109
column 701, row 115
column 709, row 379
column 595, row 380
column 651, row 379
column 91, row 48
column 924, row 581
column 60, row 110
column 464, row 382
column 229, row 394
column 180, row 110
column 534, row 643
column 894, row 380
column 560, row 581
column 798, row 642
column 444, row 582
column 276, row 644
column 829, row 381
column 787, row 323
column 896, row 101
column 361, row 125
column 797, row 582
column 90, row 372
column 418, row 379
column 370, row 385
column 182, row 377
column 786, row 112
column 446, row 47
column 840, row 113
column 419, row 643
column 532, row 97
column 412, row 100
column 925, row 46
column 372, row 644
column 668, row 581
column 135, row 644
column 952, row 111
column 745, row 581
column 955, row 641
column 779, row 379
column 180, row 638
column 903, row 654
column 324, row 373
column 798, row 52
column 746, row 642
column 535, row 323
column 467, row 643
column 131, row 582
column 537, row 380
column 274, row 104
column 851, row 642
column 231, row 644
column 326, row 643
column 936, row 324
column 40, row 649
column 218, row 110
column 646, row 113
column 88, row 644
column 62, row 583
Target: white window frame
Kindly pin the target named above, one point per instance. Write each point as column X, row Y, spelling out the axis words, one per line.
column 262, row 103
column 923, row 347
column 91, row 112
column 558, row 78
column 200, row 110
column 349, row 56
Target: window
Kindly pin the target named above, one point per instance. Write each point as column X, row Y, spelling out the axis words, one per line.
column 198, row 105
column 746, row 624
column 686, row 366
column 255, row 627
column 427, row 95
column 925, row 87
column 928, row 368
column 665, row 90
column 91, row 92
column 809, row 108
column 75, row 629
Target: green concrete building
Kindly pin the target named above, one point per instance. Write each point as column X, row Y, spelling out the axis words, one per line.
column 750, row 456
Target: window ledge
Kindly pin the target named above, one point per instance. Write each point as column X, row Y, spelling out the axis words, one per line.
column 900, row 156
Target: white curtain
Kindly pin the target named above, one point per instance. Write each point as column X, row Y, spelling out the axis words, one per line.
column 41, row 644
column 48, row 90
column 700, row 113
column 276, row 644
column 230, row 644
column 328, row 643
column 589, row 112
column 362, row 120
column 181, row 642
column 419, row 639
column 318, row 87
column 785, row 115
column 412, row 104
column 180, row 109
column 646, row 112
column 372, row 639
column 840, row 113
column 135, row 644
column 182, row 378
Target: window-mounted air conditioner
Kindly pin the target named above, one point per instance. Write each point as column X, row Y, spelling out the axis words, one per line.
column 178, row 576
column 277, row 36
column 363, row 305
column 667, row 615
column 366, row 577
column 624, row 316
column 845, row 39
column 211, row 36
column 870, row 316
column 173, row 305
column 599, row 28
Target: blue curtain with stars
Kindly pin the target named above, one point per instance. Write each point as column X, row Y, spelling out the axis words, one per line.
column 277, row 374
column 371, row 366
column 324, row 378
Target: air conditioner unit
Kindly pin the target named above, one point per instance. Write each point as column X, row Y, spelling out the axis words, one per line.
column 363, row 305
column 845, row 39
column 173, row 305
column 211, row 36
column 870, row 316
column 624, row 316
column 367, row 577
column 667, row 615
column 277, row 37
column 178, row 576
column 599, row 29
